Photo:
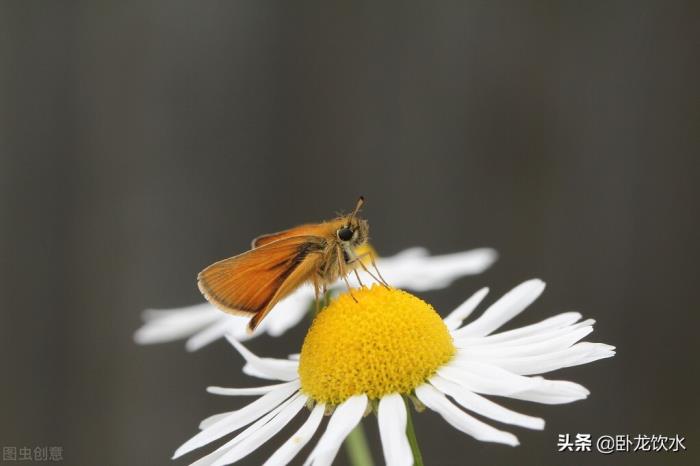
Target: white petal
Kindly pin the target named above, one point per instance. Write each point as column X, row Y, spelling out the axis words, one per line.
column 262, row 435
column 553, row 392
column 554, row 343
column 436, row 401
column 500, row 312
column 254, row 372
column 485, row 378
column 245, row 391
column 280, row 369
column 408, row 253
column 580, row 353
column 392, row 430
column 195, row 309
column 249, row 431
column 296, row 442
column 456, row 317
column 227, row 324
column 421, row 273
column 455, row 265
column 344, row 419
column 290, row 311
column 493, row 380
column 239, row 418
column 485, row 407
column 542, row 335
column 173, row 324
column 213, row 419
column 241, row 333
column 557, row 321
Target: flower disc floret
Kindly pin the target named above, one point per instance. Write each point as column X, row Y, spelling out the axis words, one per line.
column 389, row 341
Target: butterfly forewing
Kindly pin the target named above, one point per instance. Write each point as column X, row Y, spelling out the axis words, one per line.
column 310, row 229
column 251, row 283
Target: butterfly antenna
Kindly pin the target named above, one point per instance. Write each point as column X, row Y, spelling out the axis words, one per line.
column 360, row 203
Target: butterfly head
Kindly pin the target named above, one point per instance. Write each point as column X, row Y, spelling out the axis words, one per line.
column 353, row 230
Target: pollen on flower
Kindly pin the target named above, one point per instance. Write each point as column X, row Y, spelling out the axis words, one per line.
column 388, row 342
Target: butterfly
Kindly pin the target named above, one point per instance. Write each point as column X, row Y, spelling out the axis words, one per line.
column 250, row 284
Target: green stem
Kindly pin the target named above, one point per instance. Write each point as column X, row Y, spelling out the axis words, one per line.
column 411, row 434
column 358, row 448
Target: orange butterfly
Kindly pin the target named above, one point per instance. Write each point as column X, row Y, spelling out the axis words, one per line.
column 251, row 283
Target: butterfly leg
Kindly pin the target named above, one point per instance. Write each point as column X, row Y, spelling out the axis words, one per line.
column 343, row 273
column 374, row 264
column 357, row 275
column 316, row 293
column 379, row 280
column 325, row 296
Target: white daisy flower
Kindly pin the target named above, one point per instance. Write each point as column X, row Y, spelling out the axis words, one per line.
column 413, row 269
column 389, row 347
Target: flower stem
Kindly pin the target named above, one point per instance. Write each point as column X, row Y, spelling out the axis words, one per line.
column 411, row 434
column 358, row 448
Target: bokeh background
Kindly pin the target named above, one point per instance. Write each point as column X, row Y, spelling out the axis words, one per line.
column 140, row 141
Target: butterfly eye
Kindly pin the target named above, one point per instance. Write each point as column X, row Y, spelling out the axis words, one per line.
column 345, row 234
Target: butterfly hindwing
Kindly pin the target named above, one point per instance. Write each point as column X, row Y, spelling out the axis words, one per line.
column 253, row 282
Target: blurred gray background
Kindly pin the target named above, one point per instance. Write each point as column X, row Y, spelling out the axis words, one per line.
column 141, row 141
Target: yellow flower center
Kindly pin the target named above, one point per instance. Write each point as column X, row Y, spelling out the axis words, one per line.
column 388, row 342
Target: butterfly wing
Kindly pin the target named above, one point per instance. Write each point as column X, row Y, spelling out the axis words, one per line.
column 253, row 282
column 310, row 229
column 304, row 271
